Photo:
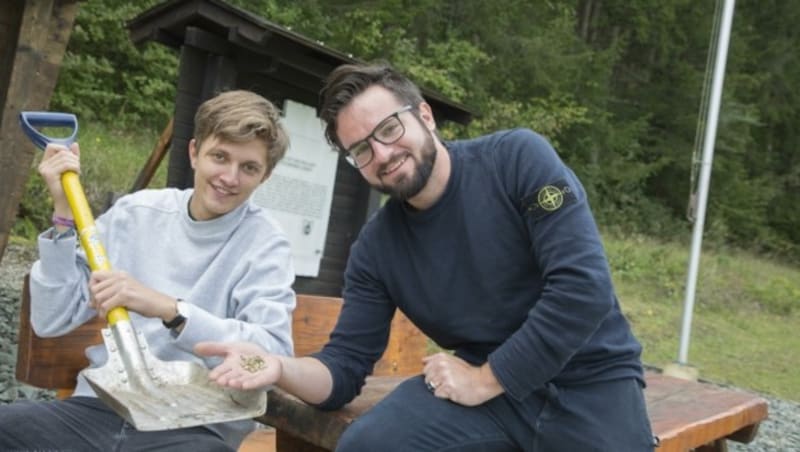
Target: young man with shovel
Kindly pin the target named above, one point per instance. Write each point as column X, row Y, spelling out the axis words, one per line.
column 488, row 245
column 189, row 265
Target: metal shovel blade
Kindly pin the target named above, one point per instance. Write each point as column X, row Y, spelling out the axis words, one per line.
column 152, row 394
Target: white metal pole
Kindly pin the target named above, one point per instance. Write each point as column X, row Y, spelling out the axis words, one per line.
column 705, row 176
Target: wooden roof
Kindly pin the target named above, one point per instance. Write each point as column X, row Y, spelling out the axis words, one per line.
column 291, row 60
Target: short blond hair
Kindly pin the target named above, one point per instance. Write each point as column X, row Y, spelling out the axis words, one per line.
column 240, row 116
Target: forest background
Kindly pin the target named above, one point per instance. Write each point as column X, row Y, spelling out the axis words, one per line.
column 618, row 86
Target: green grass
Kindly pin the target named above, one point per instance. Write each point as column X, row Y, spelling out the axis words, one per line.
column 111, row 159
column 745, row 319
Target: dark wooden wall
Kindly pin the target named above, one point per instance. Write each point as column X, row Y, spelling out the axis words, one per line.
column 33, row 38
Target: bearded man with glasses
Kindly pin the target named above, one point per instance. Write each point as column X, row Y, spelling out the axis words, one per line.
column 387, row 132
column 489, row 246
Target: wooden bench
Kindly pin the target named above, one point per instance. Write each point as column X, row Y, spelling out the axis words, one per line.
column 685, row 415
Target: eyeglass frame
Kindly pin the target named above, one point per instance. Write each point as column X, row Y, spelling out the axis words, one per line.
column 347, row 152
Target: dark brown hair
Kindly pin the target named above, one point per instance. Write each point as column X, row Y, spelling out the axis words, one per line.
column 349, row 80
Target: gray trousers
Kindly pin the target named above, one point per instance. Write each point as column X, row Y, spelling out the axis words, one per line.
column 83, row 424
column 606, row 417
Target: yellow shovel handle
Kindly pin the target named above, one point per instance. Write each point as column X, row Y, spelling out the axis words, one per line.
column 90, row 240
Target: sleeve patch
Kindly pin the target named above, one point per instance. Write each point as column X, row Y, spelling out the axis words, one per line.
column 548, row 199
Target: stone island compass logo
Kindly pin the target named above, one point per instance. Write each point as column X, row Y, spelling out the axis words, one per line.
column 550, row 198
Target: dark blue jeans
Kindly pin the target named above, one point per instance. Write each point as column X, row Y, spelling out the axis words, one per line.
column 608, row 417
column 82, row 424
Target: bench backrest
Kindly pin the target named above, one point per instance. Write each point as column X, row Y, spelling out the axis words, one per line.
column 54, row 363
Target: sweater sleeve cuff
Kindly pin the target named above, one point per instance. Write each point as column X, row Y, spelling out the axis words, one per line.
column 518, row 387
column 336, row 399
column 57, row 256
column 197, row 326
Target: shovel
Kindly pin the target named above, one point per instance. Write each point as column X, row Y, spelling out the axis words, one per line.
column 149, row 393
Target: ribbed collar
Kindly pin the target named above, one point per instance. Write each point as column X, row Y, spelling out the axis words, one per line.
column 220, row 226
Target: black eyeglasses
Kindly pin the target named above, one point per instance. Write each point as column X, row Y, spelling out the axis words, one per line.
column 388, row 131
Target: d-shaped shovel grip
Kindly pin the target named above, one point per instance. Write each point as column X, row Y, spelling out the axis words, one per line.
column 84, row 221
column 30, row 120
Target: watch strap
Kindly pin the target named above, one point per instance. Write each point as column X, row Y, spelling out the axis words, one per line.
column 177, row 320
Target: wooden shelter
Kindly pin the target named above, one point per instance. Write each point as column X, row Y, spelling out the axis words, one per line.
column 224, row 47
column 33, row 38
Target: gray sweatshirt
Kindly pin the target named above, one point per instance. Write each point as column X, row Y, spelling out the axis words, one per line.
column 234, row 272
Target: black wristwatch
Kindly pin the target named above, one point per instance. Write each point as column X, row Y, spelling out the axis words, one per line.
column 179, row 318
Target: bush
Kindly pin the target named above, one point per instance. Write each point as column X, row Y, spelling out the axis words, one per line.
column 111, row 158
column 35, row 209
column 105, row 77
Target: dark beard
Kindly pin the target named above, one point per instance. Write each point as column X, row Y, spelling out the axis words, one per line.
column 406, row 189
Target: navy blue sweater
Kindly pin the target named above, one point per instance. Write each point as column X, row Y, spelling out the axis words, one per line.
column 507, row 266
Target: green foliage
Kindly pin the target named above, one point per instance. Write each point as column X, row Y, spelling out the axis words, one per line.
column 641, row 216
column 617, row 86
column 33, row 215
column 110, row 161
column 765, row 68
column 454, row 58
column 299, row 15
column 550, row 117
column 105, row 77
column 639, row 260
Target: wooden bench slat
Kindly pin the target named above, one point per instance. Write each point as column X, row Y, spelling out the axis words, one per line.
column 687, row 414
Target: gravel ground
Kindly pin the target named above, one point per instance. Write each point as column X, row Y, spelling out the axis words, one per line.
column 779, row 433
column 16, row 260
